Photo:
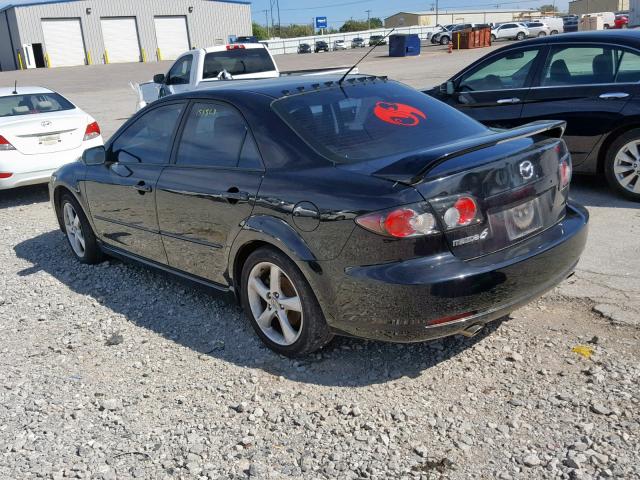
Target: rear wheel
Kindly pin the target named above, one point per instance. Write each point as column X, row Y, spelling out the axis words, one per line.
column 542, row 34
column 520, row 36
column 280, row 304
column 79, row 234
column 622, row 165
column 554, row 32
column 444, row 40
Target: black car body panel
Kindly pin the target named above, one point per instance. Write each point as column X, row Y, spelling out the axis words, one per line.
column 201, row 222
column 596, row 112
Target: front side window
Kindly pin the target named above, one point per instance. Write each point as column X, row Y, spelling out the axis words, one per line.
column 216, row 135
column 31, row 104
column 149, row 138
column 180, row 73
column 508, row 71
column 239, row 61
column 586, row 65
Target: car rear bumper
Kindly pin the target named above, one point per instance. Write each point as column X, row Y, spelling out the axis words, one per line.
column 426, row 298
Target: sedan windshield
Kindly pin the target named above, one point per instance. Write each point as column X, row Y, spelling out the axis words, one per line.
column 372, row 119
column 30, row 104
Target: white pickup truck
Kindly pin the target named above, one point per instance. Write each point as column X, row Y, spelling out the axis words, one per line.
column 202, row 67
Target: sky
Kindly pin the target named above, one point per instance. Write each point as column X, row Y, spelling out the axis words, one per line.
column 302, row 11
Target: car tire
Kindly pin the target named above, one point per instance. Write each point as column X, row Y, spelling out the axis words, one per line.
column 606, row 26
column 76, row 227
column 297, row 331
column 542, row 34
column 520, row 36
column 622, row 165
column 493, row 38
column 444, row 40
column 554, row 32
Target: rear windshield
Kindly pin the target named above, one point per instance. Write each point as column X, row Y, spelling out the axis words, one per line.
column 30, row 104
column 238, row 61
column 371, row 120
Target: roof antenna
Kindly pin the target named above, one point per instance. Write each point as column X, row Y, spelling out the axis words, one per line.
column 15, row 88
column 365, row 56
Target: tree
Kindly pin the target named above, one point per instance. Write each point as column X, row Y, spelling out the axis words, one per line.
column 359, row 25
column 548, row 8
column 260, row 32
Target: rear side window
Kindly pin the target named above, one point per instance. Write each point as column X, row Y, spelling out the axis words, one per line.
column 510, row 70
column 372, row 120
column 216, row 135
column 238, row 61
column 149, row 138
column 31, row 104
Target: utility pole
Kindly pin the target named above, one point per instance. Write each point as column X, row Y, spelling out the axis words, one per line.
column 368, row 19
column 266, row 17
column 436, row 12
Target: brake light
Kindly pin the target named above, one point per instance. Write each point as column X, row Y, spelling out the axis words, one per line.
column 5, row 175
column 237, row 46
column 457, row 211
column 403, row 222
column 5, row 145
column 92, row 131
column 565, row 172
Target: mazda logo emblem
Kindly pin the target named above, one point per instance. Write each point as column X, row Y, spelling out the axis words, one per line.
column 46, row 123
column 526, row 170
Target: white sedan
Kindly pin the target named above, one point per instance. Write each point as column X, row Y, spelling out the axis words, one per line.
column 40, row 131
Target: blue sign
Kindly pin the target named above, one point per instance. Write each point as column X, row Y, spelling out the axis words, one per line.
column 321, row 22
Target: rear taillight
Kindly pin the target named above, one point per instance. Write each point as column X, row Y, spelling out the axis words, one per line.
column 5, row 175
column 236, row 47
column 402, row 222
column 5, row 145
column 457, row 211
column 92, row 131
column 565, row 172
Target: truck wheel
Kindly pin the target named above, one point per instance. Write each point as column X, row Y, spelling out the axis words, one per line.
column 622, row 165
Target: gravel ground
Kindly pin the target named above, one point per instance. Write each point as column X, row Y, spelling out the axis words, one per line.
column 115, row 371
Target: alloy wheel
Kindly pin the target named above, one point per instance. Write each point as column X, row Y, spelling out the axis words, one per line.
column 626, row 167
column 73, row 228
column 275, row 303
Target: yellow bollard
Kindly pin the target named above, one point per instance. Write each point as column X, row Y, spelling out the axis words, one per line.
column 144, row 56
column 46, row 58
column 20, row 61
column 458, row 41
column 159, row 53
column 88, row 58
column 106, row 57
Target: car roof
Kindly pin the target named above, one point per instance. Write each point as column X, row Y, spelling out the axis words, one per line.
column 272, row 87
column 625, row 37
column 7, row 91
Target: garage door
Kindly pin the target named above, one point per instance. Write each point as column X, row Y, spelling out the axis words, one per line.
column 172, row 36
column 120, row 37
column 63, row 42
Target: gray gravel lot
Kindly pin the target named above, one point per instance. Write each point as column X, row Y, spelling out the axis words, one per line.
column 115, row 371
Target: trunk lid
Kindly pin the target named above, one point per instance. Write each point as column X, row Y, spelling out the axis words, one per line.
column 45, row 133
column 515, row 181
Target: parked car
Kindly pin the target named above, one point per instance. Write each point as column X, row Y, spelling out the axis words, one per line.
column 570, row 23
column 510, row 31
column 339, row 45
column 304, row 48
column 555, row 24
column 444, row 37
column 377, row 40
column 358, row 43
column 588, row 79
column 621, row 21
column 537, row 29
column 40, row 130
column 321, row 46
column 335, row 210
column 608, row 19
column 435, row 37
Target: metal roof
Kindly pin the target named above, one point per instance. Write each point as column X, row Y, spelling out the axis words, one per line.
column 48, row 2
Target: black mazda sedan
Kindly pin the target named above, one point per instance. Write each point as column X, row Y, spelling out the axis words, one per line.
column 361, row 208
column 591, row 80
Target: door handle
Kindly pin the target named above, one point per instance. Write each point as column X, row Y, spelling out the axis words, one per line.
column 614, row 95
column 507, row 101
column 142, row 188
column 234, row 195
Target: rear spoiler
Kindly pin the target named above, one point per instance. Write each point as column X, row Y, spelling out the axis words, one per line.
column 410, row 170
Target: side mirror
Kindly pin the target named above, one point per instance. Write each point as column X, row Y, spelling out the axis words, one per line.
column 94, row 156
column 159, row 78
column 447, row 87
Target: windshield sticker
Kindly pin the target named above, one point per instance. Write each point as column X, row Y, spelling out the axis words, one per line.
column 398, row 114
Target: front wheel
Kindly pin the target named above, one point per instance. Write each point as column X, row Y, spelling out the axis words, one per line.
column 280, row 304
column 622, row 165
column 79, row 234
column 444, row 40
column 493, row 38
column 520, row 36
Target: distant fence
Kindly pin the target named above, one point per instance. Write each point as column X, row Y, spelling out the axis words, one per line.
column 290, row 45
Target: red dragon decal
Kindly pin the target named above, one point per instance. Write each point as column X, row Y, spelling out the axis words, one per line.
column 398, row 114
